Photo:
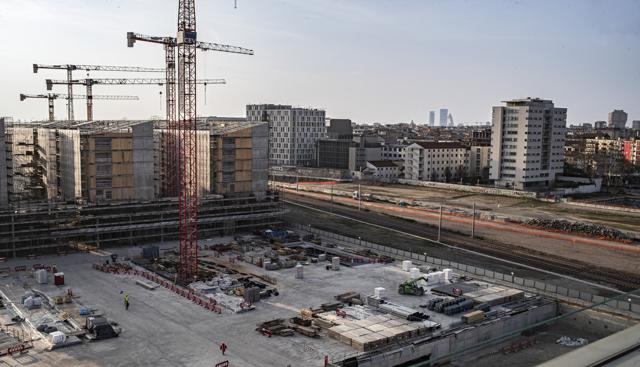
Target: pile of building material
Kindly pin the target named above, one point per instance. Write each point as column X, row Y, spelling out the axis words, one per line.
column 275, row 327
column 376, row 331
column 572, row 342
column 304, row 326
column 350, row 297
column 578, row 227
column 495, row 295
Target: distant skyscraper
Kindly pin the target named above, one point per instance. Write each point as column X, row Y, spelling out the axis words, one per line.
column 617, row 119
column 444, row 113
column 450, row 120
column 635, row 125
column 600, row 124
column 432, row 118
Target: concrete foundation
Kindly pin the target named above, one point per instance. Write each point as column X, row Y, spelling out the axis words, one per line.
column 457, row 340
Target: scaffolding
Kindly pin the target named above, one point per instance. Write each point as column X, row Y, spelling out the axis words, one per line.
column 55, row 228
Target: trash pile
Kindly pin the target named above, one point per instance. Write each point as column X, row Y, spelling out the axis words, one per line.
column 587, row 228
column 568, row 341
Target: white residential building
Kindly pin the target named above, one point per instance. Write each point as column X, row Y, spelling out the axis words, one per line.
column 385, row 170
column 436, row 161
column 527, row 143
column 479, row 161
column 393, row 152
column 293, row 132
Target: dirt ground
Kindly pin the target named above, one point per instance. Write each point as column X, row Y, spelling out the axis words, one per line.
column 606, row 254
column 501, row 205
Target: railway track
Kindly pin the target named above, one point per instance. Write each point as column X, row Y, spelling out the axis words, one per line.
column 604, row 276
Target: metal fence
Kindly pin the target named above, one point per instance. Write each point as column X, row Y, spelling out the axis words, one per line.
column 534, row 286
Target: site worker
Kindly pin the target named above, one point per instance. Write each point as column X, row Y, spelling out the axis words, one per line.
column 223, row 347
column 126, row 301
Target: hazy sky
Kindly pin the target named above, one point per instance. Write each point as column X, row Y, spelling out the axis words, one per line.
column 368, row 60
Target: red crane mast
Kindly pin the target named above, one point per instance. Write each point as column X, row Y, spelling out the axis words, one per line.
column 187, row 142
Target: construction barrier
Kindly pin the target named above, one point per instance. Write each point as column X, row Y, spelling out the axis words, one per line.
column 206, row 303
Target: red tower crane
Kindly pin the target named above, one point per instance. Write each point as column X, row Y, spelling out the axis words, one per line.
column 187, row 140
column 170, row 149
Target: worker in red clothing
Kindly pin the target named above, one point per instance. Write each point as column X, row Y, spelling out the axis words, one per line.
column 223, row 347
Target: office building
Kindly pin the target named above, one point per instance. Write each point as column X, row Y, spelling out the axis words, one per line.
column 635, row 125
column 340, row 129
column 600, row 125
column 432, row 118
column 333, row 153
column 293, row 132
column 527, row 143
column 366, row 147
column 444, row 115
column 617, row 119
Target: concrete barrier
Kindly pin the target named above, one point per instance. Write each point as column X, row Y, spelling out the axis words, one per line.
column 476, row 189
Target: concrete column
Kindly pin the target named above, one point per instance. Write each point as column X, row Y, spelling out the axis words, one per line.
column 440, row 224
column 13, row 235
column 473, row 221
column 161, row 229
column 98, row 232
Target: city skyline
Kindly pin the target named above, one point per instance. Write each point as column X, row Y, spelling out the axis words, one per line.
column 325, row 44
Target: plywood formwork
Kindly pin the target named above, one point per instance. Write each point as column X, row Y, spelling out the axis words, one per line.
column 240, row 162
column 119, row 166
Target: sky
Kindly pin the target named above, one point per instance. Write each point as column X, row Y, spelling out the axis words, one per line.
column 385, row 61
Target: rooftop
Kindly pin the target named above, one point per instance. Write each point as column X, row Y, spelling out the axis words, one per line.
column 382, row 163
column 440, row 145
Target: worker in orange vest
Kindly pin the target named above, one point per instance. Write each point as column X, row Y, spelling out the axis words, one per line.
column 223, row 347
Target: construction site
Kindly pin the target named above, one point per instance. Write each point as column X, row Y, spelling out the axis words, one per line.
column 163, row 242
column 281, row 297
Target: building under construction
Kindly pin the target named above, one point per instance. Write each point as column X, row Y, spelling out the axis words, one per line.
column 104, row 182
